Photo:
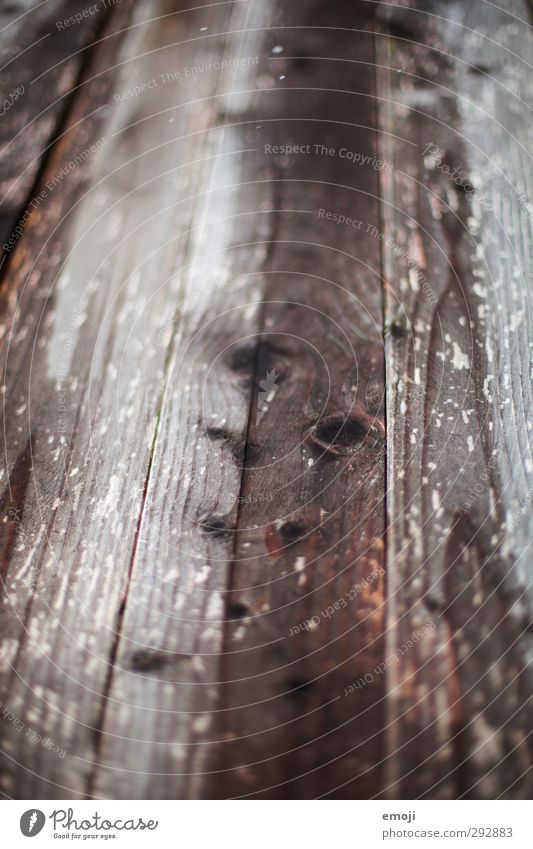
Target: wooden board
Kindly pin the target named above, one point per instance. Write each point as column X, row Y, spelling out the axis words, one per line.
column 266, row 404
column 75, row 462
column 156, row 723
column 458, row 400
column 43, row 54
column 164, row 705
column 306, row 603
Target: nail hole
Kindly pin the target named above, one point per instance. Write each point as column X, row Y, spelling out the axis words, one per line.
column 149, row 660
column 242, row 358
column 215, row 525
column 300, row 63
column 245, row 451
column 399, row 29
column 298, row 687
column 432, row 603
column 238, row 610
column 480, row 70
column 217, row 433
column 397, row 330
column 340, row 432
column 292, row 531
column 146, row 660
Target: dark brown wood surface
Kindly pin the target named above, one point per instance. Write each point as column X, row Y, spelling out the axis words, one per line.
column 42, row 63
column 319, row 450
column 266, row 402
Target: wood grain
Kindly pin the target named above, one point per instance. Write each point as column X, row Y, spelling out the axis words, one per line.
column 84, row 315
column 156, row 727
column 42, row 63
column 306, row 603
column 266, row 402
column 456, row 252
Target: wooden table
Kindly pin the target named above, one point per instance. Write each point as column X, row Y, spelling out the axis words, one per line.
column 267, row 469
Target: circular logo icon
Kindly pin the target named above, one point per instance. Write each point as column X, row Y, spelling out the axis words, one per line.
column 32, row 822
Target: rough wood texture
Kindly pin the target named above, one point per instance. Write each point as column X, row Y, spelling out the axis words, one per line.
column 318, row 450
column 69, row 322
column 41, row 63
column 156, row 725
column 458, row 399
column 267, row 471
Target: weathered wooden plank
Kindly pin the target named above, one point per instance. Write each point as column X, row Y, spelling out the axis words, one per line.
column 83, row 385
column 454, row 80
column 309, row 541
column 194, row 481
column 157, row 724
column 41, row 63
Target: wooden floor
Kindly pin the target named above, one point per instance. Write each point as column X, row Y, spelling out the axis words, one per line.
column 267, row 357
